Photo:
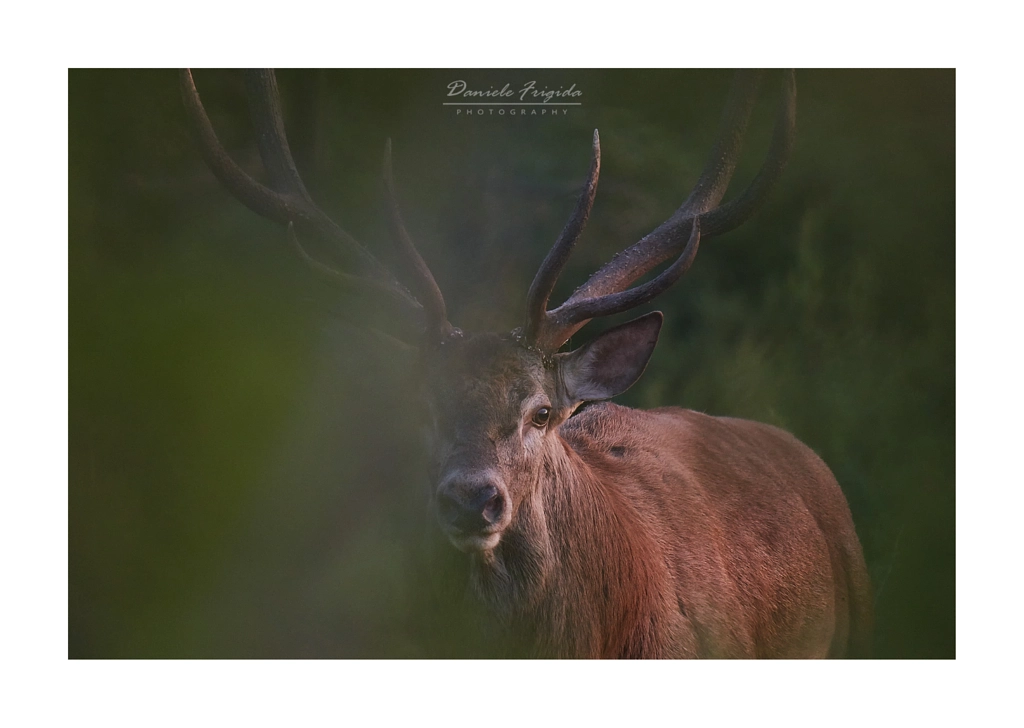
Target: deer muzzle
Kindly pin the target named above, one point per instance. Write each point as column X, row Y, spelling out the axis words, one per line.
column 473, row 510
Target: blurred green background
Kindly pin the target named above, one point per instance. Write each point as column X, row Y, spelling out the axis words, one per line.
column 247, row 468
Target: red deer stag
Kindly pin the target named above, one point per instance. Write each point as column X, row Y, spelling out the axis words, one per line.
column 603, row 531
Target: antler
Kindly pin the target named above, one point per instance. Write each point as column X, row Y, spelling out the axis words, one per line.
column 558, row 256
column 289, row 204
column 606, row 292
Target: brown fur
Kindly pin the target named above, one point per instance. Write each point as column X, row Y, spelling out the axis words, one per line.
column 662, row 533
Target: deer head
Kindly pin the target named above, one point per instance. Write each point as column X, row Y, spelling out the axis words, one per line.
column 497, row 400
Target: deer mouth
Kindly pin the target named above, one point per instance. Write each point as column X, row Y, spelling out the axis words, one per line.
column 472, row 543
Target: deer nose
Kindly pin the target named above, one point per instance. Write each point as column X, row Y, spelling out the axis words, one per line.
column 471, row 507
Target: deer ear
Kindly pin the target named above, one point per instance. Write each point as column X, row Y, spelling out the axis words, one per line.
column 611, row 363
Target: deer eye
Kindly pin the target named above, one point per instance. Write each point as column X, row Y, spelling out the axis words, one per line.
column 541, row 416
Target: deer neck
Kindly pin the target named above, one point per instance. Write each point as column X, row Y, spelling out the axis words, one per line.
column 562, row 570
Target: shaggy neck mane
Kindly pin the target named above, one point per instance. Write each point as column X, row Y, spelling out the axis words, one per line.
column 575, row 572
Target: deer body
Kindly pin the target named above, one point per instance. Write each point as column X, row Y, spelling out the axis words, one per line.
column 670, row 533
column 606, row 531
column 615, row 532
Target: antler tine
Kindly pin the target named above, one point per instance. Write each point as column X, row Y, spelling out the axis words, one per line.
column 424, row 286
column 558, row 256
column 252, row 194
column 606, row 293
column 289, row 204
column 718, row 170
column 589, row 308
column 735, row 212
column 268, row 120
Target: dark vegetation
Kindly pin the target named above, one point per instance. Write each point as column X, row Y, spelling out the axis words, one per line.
column 246, row 467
